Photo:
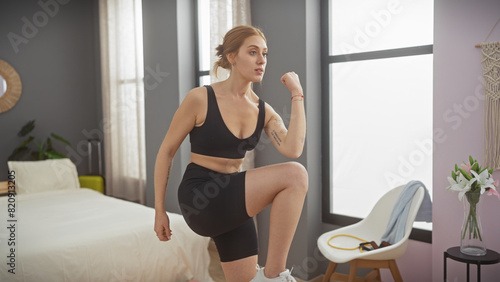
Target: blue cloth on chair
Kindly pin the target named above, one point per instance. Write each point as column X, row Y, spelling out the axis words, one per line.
column 397, row 222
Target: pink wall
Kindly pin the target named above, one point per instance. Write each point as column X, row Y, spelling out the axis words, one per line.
column 458, row 26
column 458, row 124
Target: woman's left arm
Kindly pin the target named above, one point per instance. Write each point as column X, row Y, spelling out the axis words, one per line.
column 289, row 142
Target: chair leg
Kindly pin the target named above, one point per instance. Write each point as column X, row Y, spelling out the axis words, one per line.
column 331, row 269
column 352, row 271
column 373, row 275
column 391, row 264
column 395, row 271
column 378, row 274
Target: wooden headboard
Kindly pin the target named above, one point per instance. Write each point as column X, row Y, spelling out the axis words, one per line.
column 3, row 187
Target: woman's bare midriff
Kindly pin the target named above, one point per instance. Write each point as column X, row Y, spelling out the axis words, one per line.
column 222, row 165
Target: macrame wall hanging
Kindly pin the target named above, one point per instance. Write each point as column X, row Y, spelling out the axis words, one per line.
column 490, row 62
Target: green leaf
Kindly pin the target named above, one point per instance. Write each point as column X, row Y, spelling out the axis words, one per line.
column 453, row 175
column 471, row 160
column 27, row 128
column 456, row 167
column 57, row 137
column 21, row 151
column 26, row 142
column 475, row 167
column 465, row 174
column 41, row 151
column 53, row 154
column 490, row 171
column 40, row 146
column 49, row 144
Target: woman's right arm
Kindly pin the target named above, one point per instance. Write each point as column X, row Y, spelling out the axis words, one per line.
column 185, row 118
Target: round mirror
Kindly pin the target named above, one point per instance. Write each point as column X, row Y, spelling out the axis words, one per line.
column 10, row 86
column 3, row 86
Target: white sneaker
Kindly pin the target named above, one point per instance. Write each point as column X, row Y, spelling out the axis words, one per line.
column 284, row 276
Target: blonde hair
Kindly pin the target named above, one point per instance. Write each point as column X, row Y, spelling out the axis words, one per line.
column 232, row 42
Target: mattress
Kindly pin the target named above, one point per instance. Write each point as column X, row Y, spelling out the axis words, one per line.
column 82, row 235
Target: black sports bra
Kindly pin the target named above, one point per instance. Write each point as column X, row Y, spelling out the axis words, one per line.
column 213, row 138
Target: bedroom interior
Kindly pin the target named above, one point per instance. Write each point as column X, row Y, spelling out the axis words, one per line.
column 59, row 64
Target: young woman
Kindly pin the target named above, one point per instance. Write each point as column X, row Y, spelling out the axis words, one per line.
column 224, row 120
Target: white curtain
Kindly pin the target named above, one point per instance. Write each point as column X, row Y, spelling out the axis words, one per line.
column 123, row 98
column 224, row 15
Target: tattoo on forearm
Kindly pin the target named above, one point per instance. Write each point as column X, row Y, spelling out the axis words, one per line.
column 276, row 137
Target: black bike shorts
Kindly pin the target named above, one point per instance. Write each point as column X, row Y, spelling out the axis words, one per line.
column 213, row 205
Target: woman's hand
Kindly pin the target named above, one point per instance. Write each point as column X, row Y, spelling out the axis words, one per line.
column 292, row 82
column 162, row 226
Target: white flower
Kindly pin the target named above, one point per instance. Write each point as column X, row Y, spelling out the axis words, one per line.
column 462, row 185
column 484, row 180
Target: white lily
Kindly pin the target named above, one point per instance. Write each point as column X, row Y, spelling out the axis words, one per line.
column 484, row 180
column 453, row 183
column 462, row 185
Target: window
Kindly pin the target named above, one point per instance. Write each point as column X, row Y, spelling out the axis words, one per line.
column 377, row 75
column 215, row 18
column 203, row 12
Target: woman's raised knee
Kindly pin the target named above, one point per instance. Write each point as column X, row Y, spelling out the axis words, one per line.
column 297, row 175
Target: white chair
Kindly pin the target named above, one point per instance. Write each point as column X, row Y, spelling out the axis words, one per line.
column 370, row 228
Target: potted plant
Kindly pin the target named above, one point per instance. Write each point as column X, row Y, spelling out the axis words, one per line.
column 42, row 151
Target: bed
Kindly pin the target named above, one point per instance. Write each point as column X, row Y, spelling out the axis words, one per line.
column 68, row 233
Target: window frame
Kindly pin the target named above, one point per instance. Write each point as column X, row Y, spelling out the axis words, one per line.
column 326, row 60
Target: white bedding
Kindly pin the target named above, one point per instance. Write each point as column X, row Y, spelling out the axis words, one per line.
column 81, row 235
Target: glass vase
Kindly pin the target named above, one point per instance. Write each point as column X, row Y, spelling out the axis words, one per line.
column 472, row 239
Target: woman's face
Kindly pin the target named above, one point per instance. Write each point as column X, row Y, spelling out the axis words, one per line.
column 250, row 62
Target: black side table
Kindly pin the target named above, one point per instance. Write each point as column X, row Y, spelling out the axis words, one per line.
column 454, row 253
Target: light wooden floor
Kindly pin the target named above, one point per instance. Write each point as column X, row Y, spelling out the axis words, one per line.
column 215, row 268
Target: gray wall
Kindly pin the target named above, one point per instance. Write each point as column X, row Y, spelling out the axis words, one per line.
column 292, row 30
column 169, row 75
column 58, row 63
